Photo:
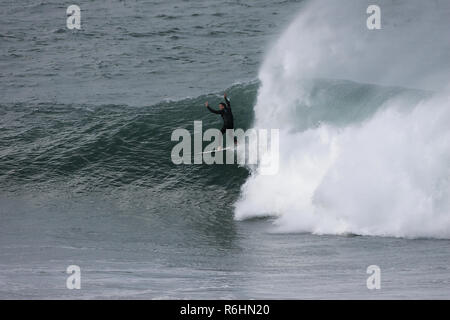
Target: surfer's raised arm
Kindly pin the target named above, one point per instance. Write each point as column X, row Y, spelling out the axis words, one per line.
column 227, row 100
column 212, row 110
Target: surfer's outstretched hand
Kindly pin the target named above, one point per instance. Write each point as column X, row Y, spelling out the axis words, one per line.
column 225, row 95
column 206, row 104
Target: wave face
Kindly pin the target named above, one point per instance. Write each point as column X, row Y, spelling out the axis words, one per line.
column 369, row 159
column 84, row 148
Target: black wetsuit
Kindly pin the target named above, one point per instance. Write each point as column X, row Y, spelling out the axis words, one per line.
column 227, row 116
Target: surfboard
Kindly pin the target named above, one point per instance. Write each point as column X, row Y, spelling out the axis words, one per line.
column 220, row 150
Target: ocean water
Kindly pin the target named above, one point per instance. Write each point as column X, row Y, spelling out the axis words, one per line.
column 86, row 178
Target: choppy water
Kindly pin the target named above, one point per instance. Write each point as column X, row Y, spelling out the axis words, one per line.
column 86, row 177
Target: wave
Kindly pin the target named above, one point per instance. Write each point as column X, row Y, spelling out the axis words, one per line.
column 363, row 118
column 355, row 158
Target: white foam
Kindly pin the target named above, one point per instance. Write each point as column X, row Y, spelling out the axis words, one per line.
column 387, row 176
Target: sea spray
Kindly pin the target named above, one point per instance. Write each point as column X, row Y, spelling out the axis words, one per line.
column 386, row 169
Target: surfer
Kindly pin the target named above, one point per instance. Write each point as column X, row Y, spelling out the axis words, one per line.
column 226, row 114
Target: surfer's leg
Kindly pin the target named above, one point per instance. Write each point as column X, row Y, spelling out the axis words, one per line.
column 228, row 136
column 234, row 137
column 223, row 130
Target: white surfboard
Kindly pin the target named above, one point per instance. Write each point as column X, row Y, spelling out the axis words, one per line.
column 219, row 150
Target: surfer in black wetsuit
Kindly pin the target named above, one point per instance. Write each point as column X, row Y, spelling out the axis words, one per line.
column 227, row 115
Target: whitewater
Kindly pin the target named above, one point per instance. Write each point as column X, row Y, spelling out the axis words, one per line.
column 381, row 166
